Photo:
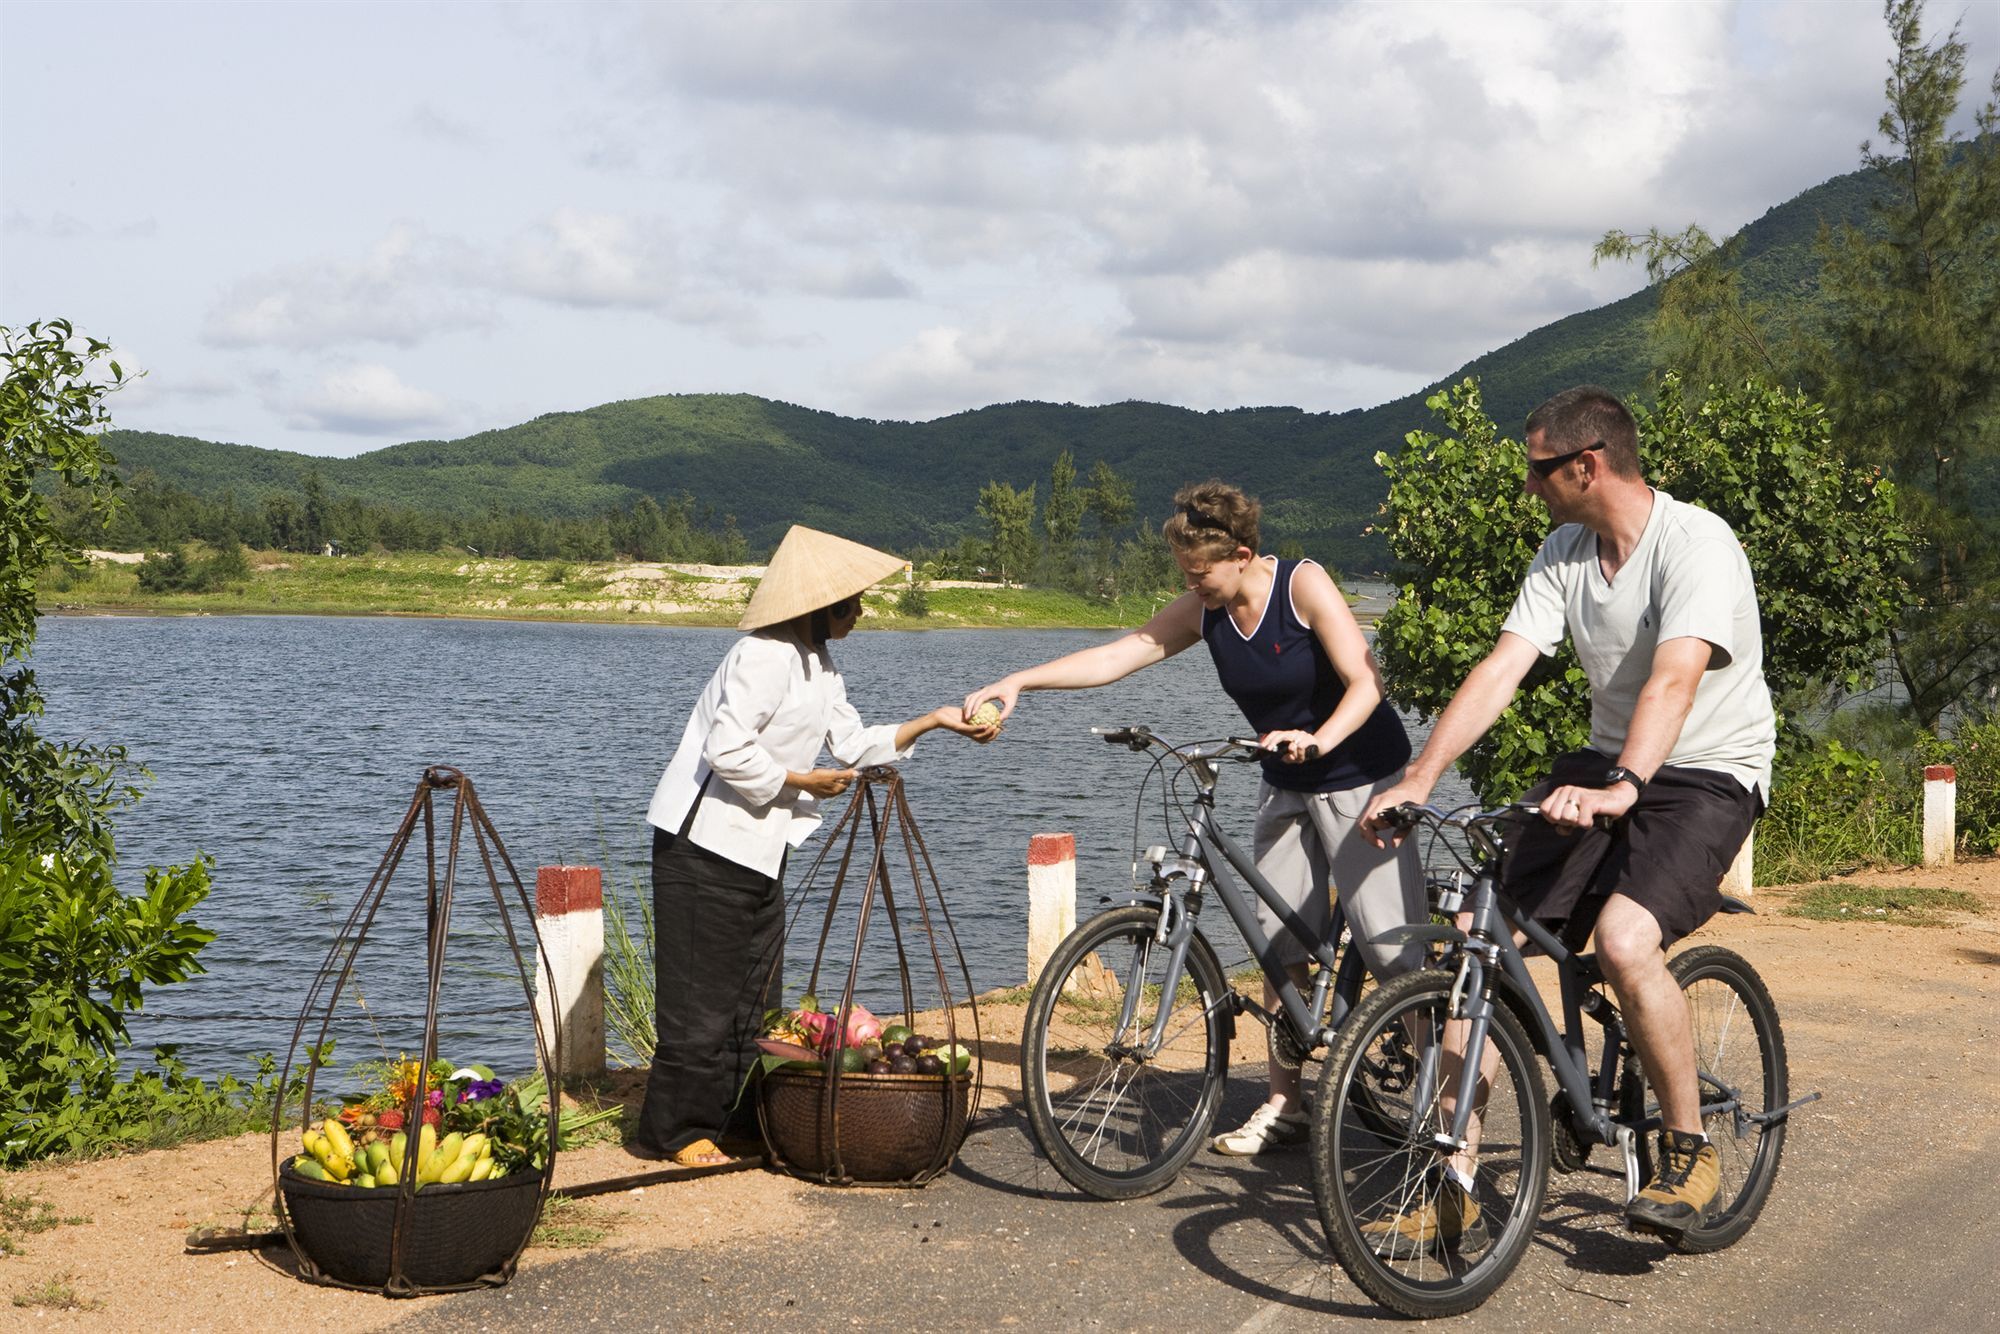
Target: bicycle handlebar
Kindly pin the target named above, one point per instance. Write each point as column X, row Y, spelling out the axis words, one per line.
column 1237, row 748
column 1409, row 815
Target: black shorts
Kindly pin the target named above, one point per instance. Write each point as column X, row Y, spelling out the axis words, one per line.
column 1668, row 854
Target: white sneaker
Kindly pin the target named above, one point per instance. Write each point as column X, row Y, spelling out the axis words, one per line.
column 1267, row 1128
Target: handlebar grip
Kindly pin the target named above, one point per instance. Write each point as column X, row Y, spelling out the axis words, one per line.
column 1404, row 816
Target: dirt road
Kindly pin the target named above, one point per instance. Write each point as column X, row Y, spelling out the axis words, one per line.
column 1879, row 1220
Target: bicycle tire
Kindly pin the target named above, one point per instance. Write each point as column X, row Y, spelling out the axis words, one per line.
column 1115, row 1126
column 1360, row 1177
column 1722, row 991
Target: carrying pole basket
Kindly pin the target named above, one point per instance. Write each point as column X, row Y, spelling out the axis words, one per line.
column 840, row 1127
column 391, row 1239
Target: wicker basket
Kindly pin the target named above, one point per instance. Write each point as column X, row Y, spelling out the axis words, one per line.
column 461, row 1236
column 901, row 1128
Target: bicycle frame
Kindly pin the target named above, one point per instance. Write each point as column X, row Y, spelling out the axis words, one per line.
column 1208, row 854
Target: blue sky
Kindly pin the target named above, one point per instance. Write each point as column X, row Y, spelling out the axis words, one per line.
column 334, row 227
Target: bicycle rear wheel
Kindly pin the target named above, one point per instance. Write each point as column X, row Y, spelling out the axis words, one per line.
column 1403, row 1233
column 1115, row 1122
column 1739, row 1052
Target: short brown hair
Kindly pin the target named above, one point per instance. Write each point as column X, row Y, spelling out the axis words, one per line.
column 1578, row 418
column 1211, row 519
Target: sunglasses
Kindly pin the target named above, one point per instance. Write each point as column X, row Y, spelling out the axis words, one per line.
column 845, row 607
column 1546, row 468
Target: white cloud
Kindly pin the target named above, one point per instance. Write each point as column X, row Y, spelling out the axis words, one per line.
column 405, row 289
column 368, row 399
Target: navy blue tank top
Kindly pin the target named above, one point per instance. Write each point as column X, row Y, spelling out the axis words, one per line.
column 1281, row 678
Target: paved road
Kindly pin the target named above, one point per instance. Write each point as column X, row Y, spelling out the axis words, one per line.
column 1881, row 1219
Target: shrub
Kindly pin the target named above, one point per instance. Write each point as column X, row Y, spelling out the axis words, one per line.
column 1835, row 810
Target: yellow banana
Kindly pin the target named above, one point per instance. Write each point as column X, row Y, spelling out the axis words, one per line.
column 388, row 1174
column 480, row 1170
column 457, row 1172
column 475, row 1147
column 449, row 1147
column 343, row 1144
column 312, row 1139
column 378, row 1154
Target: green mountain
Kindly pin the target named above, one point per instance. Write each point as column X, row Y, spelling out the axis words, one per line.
column 900, row 484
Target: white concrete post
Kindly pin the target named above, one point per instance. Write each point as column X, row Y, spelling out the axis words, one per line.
column 569, row 915
column 1051, row 897
column 1940, row 814
column 1737, row 880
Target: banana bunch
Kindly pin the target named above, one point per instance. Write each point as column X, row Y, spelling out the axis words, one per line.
column 331, row 1155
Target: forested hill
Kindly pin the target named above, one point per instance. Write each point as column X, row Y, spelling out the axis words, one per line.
column 901, row 484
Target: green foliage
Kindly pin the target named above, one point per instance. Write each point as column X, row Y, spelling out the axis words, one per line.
column 1912, row 905
column 75, row 958
column 1826, row 544
column 1707, row 331
column 915, row 600
column 1464, row 533
column 1823, row 540
column 1834, row 810
column 1011, row 516
column 1974, row 750
column 176, row 572
column 1911, row 358
column 1062, row 521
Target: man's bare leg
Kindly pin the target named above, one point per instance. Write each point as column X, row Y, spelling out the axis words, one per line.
column 1654, row 1010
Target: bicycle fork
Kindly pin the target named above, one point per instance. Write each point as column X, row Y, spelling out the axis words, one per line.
column 1174, row 933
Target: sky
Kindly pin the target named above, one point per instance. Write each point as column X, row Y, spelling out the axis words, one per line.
column 334, row 227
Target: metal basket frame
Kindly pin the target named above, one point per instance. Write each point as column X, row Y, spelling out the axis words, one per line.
column 880, row 805
column 323, row 999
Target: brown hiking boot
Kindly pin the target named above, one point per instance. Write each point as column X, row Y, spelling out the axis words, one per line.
column 1446, row 1217
column 1685, row 1180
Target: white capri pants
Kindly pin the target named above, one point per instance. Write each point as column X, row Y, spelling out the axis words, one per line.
column 1303, row 838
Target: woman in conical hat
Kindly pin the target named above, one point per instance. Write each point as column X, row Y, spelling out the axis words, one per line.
column 742, row 789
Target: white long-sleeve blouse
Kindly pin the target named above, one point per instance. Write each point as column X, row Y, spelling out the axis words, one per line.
column 771, row 706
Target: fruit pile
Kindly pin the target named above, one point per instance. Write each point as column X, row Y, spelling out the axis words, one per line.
column 335, row 1156
column 808, row 1037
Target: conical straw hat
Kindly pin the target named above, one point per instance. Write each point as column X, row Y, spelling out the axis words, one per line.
column 812, row 570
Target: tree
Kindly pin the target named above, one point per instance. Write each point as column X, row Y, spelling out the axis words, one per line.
column 315, row 515
column 1011, row 515
column 1823, row 538
column 1911, row 359
column 1108, row 501
column 75, row 953
column 1705, row 331
column 1062, row 519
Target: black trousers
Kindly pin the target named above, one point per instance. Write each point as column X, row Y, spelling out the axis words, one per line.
column 718, row 947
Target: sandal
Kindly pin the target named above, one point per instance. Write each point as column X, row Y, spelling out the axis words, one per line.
column 701, row 1153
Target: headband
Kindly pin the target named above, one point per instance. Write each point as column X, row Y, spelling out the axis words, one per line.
column 1197, row 519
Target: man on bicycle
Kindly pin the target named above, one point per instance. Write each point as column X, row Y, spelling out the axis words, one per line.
column 1658, row 597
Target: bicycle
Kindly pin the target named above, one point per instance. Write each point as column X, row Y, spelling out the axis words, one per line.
column 1125, row 1048
column 1395, row 1048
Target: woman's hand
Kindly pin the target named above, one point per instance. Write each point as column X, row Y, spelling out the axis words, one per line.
column 822, row 782
column 1004, row 692
column 1299, row 747
column 951, row 719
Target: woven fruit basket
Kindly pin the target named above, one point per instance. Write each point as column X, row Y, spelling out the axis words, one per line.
column 878, row 1128
column 460, row 1236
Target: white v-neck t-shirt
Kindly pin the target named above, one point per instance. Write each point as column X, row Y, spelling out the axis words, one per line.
column 1687, row 577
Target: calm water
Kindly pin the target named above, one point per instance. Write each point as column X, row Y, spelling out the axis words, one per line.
column 288, row 748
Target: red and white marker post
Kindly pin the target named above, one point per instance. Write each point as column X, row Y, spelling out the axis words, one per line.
column 569, row 916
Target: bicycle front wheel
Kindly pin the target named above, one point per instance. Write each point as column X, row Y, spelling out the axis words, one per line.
column 1117, row 1118
column 1739, row 1053
column 1401, row 1225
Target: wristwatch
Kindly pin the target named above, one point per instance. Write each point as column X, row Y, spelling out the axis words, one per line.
column 1621, row 774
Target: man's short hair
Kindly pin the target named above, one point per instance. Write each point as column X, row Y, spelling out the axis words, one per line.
column 1580, row 417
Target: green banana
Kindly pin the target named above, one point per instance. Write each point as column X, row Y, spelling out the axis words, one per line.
column 308, row 1167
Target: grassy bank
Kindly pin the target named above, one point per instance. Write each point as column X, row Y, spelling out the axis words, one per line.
column 448, row 585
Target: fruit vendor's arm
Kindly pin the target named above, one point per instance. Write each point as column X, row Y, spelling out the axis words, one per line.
column 1176, row 626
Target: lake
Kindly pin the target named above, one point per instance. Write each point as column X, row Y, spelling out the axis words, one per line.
column 288, row 748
